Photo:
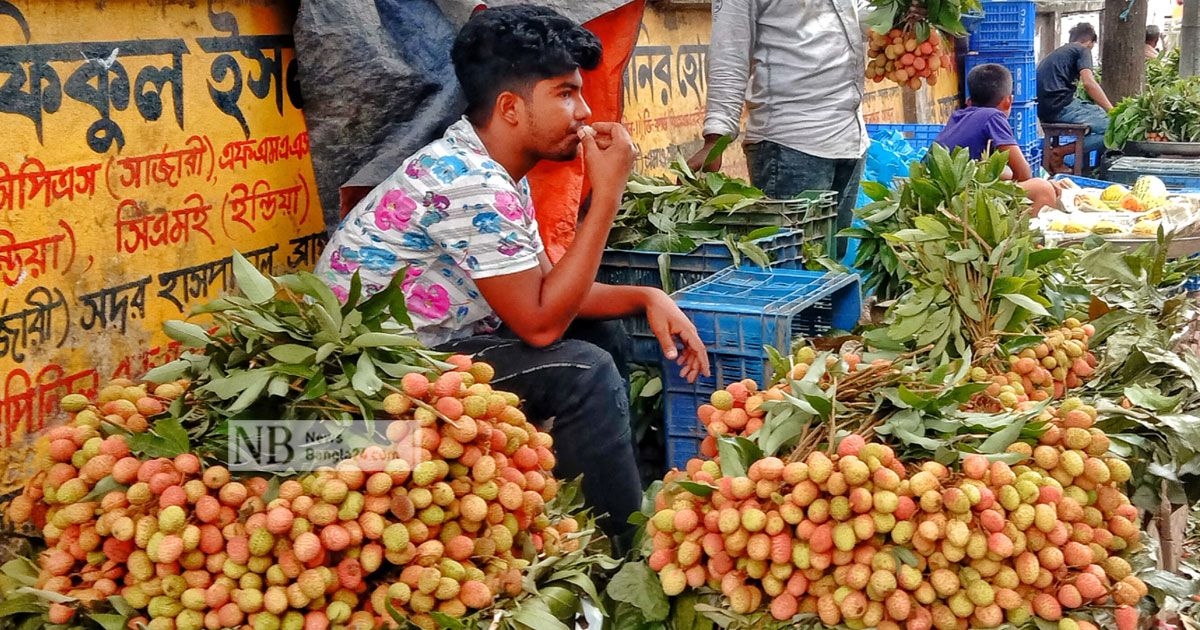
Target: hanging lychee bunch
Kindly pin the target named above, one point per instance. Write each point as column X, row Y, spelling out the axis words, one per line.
column 910, row 42
column 902, row 56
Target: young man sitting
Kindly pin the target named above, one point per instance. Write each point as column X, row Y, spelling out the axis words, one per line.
column 458, row 216
column 982, row 127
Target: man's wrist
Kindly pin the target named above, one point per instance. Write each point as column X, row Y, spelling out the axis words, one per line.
column 648, row 296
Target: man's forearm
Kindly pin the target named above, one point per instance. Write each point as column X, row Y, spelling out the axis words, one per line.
column 1097, row 93
column 566, row 287
column 606, row 301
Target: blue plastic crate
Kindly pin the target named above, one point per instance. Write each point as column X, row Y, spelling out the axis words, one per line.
column 1181, row 175
column 680, row 450
column 679, row 414
column 1085, row 182
column 1006, row 25
column 920, row 136
column 640, row 268
column 1024, row 121
column 1033, row 154
column 739, row 311
column 1022, row 64
column 1192, row 285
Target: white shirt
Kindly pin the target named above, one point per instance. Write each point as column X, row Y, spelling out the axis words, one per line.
column 804, row 62
column 450, row 215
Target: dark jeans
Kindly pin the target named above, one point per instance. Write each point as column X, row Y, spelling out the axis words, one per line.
column 578, row 388
column 782, row 173
column 1089, row 114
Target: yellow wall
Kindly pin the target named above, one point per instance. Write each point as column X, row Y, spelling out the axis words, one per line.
column 156, row 138
column 665, row 87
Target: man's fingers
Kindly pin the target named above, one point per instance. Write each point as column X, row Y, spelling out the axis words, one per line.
column 665, row 340
column 588, row 141
column 693, row 343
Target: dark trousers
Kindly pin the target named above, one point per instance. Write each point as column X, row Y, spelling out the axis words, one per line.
column 783, row 173
column 577, row 388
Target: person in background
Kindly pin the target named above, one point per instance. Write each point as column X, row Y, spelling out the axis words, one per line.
column 1057, row 76
column 1153, row 36
column 804, row 65
column 982, row 127
column 457, row 220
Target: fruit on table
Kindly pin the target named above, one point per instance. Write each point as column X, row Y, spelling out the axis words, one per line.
column 1150, row 191
column 1131, row 203
column 1106, row 227
column 1114, row 192
column 1146, row 227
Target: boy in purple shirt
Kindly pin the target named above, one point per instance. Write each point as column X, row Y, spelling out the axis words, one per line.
column 982, row 127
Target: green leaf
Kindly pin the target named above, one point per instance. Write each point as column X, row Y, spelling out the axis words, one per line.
column 905, row 555
column 186, row 333
column 1002, row 439
column 636, row 584
column 103, row 487
column 251, row 282
column 444, row 620
column 109, row 621
column 1150, row 398
column 651, row 388
column 167, row 372
column 535, row 615
column 21, row 604
column 256, row 382
column 365, row 381
column 173, row 433
column 731, row 458
column 278, row 387
column 717, row 149
column 881, row 19
column 697, row 488
column 291, row 353
column 315, row 388
column 1026, row 303
column 21, row 570
column 385, row 340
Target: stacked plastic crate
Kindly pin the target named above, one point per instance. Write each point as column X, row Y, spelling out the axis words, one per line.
column 1005, row 37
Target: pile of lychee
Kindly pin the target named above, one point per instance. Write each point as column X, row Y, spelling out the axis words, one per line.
column 435, row 520
column 900, row 56
column 1041, row 372
column 858, row 538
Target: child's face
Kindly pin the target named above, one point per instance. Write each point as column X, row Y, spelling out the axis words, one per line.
column 1005, row 104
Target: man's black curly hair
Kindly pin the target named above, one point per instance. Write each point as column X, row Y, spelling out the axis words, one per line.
column 512, row 47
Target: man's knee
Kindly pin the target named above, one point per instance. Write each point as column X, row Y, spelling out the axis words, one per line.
column 588, row 366
column 1040, row 191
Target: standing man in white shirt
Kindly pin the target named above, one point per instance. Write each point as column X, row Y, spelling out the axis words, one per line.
column 799, row 66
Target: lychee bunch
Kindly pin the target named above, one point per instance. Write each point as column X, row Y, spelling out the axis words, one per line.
column 901, row 56
column 738, row 408
column 434, row 520
column 1045, row 371
column 987, row 545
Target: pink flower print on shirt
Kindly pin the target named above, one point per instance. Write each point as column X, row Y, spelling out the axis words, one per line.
column 509, row 205
column 394, row 211
column 338, row 263
column 410, row 277
column 441, row 202
column 429, row 301
column 341, row 292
